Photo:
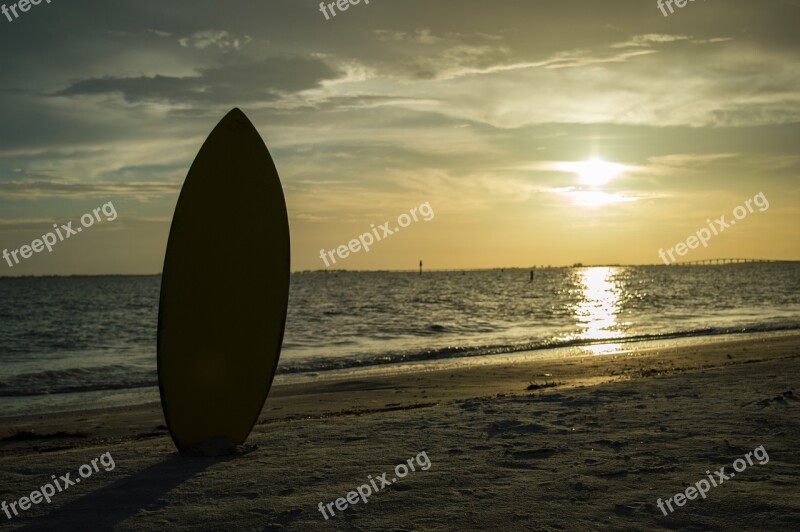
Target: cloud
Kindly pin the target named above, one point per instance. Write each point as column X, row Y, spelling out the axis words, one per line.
column 690, row 159
column 418, row 36
column 462, row 61
column 28, row 224
column 219, row 38
column 17, row 224
column 265, row 80
column 728, row 164
column 711, row 41
column 592, row 198
column 35, row 188
column 364, row 123
column 650, row 38
column 158, row 33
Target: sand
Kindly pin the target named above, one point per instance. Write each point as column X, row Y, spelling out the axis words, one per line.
column 594, row 451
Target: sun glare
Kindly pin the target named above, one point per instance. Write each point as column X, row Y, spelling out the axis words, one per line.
column 593, row 173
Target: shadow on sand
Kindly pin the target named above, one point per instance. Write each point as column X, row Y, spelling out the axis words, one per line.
column 108, row 506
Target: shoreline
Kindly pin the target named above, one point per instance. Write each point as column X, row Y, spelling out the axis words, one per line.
column 509, row 445
column 149, row 395
column 358, row 388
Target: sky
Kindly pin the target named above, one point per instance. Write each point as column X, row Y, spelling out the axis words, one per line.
column 540, row 132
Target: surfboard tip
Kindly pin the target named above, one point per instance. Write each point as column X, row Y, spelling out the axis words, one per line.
column 237, row 116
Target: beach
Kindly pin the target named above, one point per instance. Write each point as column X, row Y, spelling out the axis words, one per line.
column 511, row 447
column 402, row 266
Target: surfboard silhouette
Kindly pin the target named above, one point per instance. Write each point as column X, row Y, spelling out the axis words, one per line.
column 224, row 290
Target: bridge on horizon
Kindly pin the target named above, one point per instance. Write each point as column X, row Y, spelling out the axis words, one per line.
column 725, row 261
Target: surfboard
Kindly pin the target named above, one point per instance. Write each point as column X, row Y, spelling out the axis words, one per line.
column 224, row 289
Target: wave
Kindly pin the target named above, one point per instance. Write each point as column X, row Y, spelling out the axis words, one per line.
column 118, row 377
column 318, row 364
column 72, row 380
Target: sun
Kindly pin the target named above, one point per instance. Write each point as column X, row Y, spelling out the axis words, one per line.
column 593, row 173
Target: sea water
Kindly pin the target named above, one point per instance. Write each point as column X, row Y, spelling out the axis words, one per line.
column 80, row 342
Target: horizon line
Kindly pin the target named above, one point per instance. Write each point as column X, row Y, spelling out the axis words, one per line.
column 415, row 270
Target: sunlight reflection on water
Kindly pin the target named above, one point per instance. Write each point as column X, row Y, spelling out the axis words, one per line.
column 596, row 313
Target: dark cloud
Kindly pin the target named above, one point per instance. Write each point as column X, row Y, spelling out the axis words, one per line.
column 234, row 84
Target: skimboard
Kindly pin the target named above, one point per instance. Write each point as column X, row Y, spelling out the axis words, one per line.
column 224, row 290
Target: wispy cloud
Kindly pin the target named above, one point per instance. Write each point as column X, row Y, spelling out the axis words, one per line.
column 219, row 38
column 417, row 36
column 39, row 188
column 638, row 41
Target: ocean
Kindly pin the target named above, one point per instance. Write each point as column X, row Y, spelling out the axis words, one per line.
column 81, row 342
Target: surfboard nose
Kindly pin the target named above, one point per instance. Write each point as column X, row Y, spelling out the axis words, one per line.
column 235, row 113
column 236, row 119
